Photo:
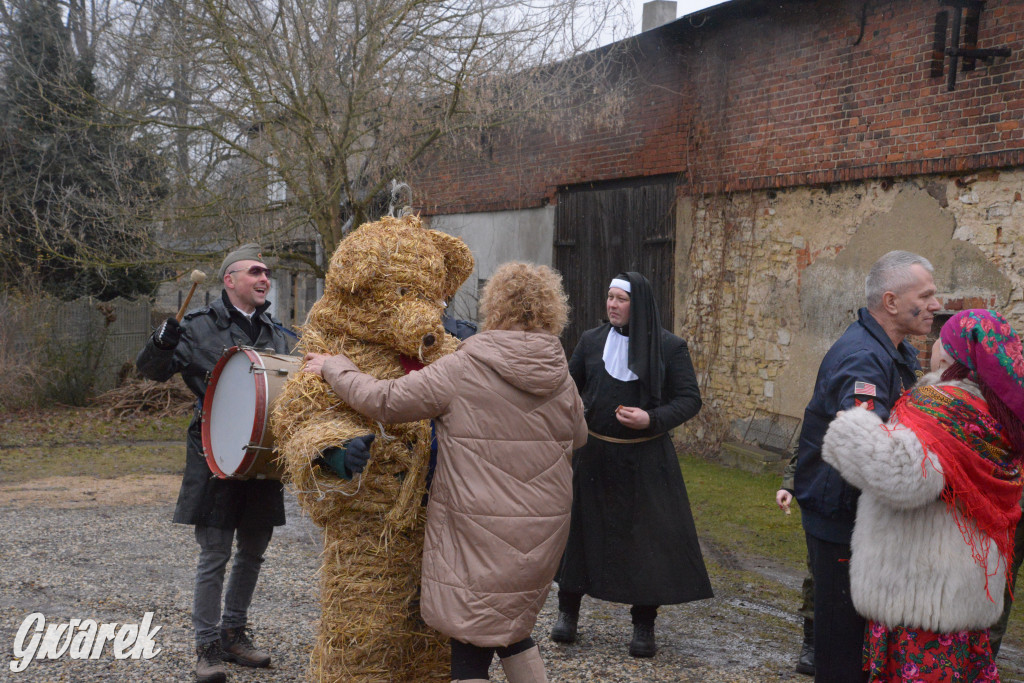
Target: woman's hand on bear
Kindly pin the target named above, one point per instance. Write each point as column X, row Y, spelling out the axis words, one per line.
column 314, row 362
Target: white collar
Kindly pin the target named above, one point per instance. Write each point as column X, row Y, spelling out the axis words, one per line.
column 616, row 357
column 247, row 315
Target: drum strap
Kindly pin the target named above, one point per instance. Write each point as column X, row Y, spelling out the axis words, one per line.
column 287, row 331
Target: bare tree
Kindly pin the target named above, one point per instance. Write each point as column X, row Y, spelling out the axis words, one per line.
column 292, row 118
column 77, row 185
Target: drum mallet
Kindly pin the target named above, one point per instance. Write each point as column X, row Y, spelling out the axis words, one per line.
column 198, row 277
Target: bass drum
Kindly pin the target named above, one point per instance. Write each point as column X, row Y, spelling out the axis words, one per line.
column 237, row 439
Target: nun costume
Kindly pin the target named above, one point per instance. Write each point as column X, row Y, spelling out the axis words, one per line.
column 632, row 538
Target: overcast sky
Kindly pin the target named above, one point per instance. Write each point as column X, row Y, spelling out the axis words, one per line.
column 683, row 7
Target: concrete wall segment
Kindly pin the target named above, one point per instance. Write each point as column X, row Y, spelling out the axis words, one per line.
column 495, row 238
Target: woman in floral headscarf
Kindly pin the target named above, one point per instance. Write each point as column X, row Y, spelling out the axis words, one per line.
column 940, row 482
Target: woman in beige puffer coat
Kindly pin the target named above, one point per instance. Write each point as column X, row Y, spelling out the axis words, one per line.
column 508, row 418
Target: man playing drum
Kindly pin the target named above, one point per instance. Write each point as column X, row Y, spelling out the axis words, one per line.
column 223, row 511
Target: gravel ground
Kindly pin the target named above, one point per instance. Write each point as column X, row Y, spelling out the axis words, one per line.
column 74, row 553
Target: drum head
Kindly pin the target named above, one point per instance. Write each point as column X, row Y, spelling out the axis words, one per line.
column 234, row 417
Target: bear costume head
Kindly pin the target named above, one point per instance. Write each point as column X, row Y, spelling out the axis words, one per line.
column 388, row 283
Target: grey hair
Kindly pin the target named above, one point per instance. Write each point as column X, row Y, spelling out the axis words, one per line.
column 891, row 273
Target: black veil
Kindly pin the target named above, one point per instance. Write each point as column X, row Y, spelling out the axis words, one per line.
column 645, row 358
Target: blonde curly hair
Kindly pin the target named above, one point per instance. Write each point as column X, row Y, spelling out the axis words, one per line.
column 524, row 296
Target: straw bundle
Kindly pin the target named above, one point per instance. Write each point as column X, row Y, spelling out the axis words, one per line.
column 383, row 299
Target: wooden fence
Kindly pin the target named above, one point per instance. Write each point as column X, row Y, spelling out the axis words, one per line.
column 86, row 338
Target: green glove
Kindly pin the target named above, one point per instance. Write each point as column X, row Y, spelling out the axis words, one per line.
column 348, row 460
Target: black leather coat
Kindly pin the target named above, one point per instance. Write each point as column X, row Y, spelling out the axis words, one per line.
column 204, row 499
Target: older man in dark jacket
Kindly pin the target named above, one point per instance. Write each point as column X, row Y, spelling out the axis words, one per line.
column 871, row 364
column 223, row 511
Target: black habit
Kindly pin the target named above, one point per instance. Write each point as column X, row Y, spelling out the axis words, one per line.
column 632, row 538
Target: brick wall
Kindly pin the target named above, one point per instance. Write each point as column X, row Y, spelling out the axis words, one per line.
column 761, row 96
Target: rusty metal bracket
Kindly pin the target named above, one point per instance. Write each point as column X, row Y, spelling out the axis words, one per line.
column 966, row 16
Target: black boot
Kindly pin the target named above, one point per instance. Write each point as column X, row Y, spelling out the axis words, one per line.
column 643, row 640
column 564, row 630
column 805, row 664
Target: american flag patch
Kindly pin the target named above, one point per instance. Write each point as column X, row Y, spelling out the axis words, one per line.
column 864, row 389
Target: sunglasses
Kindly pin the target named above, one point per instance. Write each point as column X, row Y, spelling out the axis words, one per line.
column 255, row 271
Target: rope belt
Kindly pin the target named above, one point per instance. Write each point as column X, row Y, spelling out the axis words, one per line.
column 612, row 439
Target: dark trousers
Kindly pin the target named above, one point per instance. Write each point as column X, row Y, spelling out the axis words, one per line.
column 214, row 553
column 641, row 614
column 838, row 629
column 470, row 661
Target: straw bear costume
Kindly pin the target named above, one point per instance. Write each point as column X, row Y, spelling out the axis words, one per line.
column 384, row 295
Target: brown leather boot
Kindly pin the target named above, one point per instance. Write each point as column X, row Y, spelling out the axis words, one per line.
column 238, row 648
column 210, row 664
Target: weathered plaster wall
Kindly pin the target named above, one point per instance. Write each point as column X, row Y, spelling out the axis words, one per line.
column 773, row 278
column 494, row 238
column 766, row 281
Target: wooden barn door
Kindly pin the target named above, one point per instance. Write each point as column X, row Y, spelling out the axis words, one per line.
column 603, row 229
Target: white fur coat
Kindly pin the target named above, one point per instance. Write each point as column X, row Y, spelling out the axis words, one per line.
column 910, row 565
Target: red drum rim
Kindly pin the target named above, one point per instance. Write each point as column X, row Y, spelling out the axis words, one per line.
column 259, row 421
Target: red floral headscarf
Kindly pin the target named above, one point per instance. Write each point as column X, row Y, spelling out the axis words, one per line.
column 989, row 347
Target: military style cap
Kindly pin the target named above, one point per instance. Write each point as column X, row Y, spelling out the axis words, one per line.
column 246, row 252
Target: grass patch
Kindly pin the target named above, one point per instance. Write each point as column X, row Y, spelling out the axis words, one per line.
column 71, row 442
column 31, row 428
column 18, row 465
column 736, row 510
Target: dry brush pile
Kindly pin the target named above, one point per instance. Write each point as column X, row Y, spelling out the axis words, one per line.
column 137, row 396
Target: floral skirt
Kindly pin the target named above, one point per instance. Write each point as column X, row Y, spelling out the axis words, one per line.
column 906, row 655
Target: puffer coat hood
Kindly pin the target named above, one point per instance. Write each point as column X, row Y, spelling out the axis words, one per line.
column 508, row 418
column 529, row 361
